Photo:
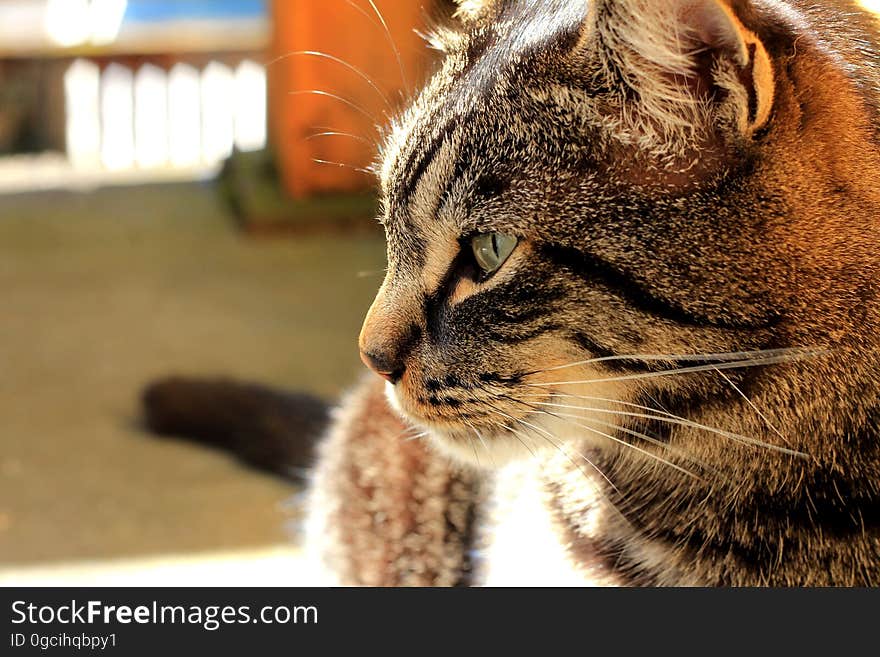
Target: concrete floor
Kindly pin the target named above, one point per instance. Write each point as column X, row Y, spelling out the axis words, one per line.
column 102, row 292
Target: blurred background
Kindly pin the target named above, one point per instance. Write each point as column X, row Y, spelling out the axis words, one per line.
column 182, row 190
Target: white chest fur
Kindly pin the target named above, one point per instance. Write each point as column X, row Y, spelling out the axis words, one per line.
column 520, row 543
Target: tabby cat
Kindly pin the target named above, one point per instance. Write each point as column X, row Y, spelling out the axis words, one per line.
column 629, row 330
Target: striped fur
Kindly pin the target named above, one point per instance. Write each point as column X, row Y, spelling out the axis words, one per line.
column 684, row 177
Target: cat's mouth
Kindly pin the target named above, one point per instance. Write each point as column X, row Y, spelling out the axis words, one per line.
column 469, row 431
column 542, row 413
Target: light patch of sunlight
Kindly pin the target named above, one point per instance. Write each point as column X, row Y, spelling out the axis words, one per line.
column 75, row 22
column 871, row 5
column 273, row 566
column 522, row 526
column 117, row 118
column 149, row 120
column 218, row 121
column 184, row 115
column 106, row 20
column 151, row 116
column 250, row 106
column 82, row 92
column 67, row 21
column 46, row 171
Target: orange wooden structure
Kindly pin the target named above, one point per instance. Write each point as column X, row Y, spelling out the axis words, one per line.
column 300, row 84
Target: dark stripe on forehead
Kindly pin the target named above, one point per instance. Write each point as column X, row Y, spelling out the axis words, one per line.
column 418, row 162
column 463, row 161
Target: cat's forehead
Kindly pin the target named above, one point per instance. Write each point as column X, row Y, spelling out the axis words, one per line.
column 493, row 116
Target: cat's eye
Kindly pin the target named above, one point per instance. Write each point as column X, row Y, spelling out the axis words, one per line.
column 491, row 250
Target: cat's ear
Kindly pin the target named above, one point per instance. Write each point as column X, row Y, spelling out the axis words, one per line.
column 685, row 62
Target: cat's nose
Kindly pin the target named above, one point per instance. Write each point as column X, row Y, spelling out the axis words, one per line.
column 389, row 334
column 385, row 366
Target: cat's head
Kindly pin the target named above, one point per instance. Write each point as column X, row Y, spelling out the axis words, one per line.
column 587, row 193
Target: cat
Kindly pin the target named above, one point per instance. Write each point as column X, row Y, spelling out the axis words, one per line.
column 630, row 325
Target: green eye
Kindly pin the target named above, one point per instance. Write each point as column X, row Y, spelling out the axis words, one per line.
column 492, row 249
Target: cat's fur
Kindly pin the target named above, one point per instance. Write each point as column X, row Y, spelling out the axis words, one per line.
column 684, row 177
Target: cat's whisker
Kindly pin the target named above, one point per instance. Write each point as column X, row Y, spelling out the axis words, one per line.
column 672, row 358
column 560, row 447
column 363, row 12
column 565, row 418
column 570, row 419
column 345, row 101
column 408, row 436
column 411, row 430
column 354, row 69
column 647, row 438
column 474, row 448
column 643, row 436
column 662, row 416
column 343, row 165
column 513, row 432
column 482, row 442
column 659, row 406
column 752, row 362
column 336, row 133
column 761, row 415
column 551, row 438
column 393, row 45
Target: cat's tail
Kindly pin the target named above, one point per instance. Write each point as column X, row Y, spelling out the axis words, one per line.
column 269, row 429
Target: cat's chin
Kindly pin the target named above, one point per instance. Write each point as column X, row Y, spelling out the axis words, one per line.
column 488, row 449
column 494, row 451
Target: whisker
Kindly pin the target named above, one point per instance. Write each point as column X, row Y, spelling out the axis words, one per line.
column 354, row 69
column 663, row 416
column 660, row 406
column 613, row 438
column 327, row 94
column 520, row 436
column 560, row 448
column 336, row 133
column 393, row 45
column 643, row 436
column 343, row 165
column 552, row 439
column 474, row 448
column 514, row 433
column 754, row 362
column 482, row 442
column 722, row 356
column 631, row 432
column 755, row 408
column 363, row 13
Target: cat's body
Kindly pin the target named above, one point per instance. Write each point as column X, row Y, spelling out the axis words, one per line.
column 663, row 228
column 664, row 368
